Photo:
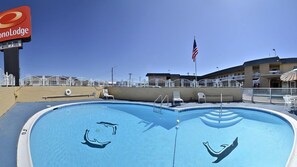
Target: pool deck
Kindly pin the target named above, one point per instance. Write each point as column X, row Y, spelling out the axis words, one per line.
column 12, row 122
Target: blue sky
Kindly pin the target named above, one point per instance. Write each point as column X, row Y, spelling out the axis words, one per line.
column 85, row 38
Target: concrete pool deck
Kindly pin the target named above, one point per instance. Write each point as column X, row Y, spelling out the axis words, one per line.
column 12, row 122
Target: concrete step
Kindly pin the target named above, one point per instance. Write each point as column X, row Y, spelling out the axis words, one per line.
column 220, row 123
column 223, row 113
column 222, row 117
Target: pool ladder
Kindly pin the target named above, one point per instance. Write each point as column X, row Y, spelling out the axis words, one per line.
column 159, row 108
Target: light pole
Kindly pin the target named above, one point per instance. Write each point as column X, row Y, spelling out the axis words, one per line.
column 112, row 74
column 274, row 51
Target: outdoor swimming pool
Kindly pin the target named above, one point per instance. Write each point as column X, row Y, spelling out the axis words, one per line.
column 121, row 134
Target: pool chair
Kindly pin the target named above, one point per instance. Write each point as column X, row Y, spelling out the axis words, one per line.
column 106, row 95
column 290, row 103
column 201, row 95
column 176, row 98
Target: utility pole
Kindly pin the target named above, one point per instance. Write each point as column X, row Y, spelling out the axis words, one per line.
column 112, row 76
column 130, row 79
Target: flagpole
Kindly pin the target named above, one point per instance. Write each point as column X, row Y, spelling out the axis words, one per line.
column 195, row 69
column 195, row 73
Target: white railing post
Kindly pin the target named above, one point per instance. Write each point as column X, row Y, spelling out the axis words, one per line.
column 156, row 82
column 57, row 81
column 166, row 83
column 13, row 80
column 43, row 80
column 270, row 96
column 252, row 95
column 6, row 79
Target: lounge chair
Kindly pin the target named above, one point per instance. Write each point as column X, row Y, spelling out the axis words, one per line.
column 201, row 95
column 176, row 98
column 106, row 95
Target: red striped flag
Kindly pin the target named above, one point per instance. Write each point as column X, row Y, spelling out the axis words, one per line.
column 195, row 51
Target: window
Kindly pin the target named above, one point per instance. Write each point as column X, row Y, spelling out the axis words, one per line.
column 274, row 67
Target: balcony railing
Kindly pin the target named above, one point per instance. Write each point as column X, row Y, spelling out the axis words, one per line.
column 274, row 72
column 256, row 75
column 236, row 77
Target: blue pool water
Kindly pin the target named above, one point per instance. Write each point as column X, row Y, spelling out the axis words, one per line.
column 137, row 135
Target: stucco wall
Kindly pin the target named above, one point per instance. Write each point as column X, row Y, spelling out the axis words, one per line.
column 248, row 77
column 187, row 94
column 287, row 67
column 7, row 99
column 264, row 69
column 9, row 96
column 33, row 94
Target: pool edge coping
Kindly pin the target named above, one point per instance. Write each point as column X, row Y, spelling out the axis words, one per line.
column 23, row 148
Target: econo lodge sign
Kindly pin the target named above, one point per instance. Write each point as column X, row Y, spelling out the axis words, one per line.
column 15, row 24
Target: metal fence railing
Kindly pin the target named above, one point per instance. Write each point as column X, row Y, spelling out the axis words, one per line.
column 6, row 79
column 267, row 95
column 193, row 83
column 59, row 81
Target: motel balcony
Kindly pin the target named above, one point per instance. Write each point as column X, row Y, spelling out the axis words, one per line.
column 256, row 75
column 274, row 72
column 236, row 77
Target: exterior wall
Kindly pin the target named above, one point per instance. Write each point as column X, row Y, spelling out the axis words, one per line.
column 264, row 69
column 187, row 94
column 10, row 95
column 248, row 77
column 173, row 78
column 7, row 98
column 152, row 80
column 287, row 67
column 157, row 77
column 34, row 94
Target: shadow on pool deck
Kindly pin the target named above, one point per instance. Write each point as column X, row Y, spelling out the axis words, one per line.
column 12, row 122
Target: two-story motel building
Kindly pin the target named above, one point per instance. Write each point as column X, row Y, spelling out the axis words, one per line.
column 264, row 72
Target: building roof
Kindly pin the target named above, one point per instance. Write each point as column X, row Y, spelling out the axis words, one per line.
column 163, row 74
column 288, row 60
column 159, row 74
column 270, row 60
column 224, row 71
column 261, row 61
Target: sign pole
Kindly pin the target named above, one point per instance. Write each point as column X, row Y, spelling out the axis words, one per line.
column 11, row 63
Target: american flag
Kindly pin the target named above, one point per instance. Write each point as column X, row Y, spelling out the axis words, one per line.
column 195, row 51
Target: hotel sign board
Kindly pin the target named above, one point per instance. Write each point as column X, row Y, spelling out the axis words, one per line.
column 15, row 24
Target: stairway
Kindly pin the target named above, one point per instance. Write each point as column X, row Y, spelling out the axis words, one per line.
column 224, row 119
